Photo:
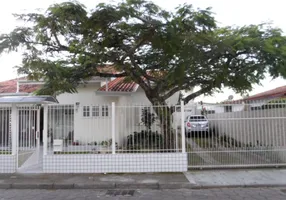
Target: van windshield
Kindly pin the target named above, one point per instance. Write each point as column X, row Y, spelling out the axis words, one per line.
column 197, row 118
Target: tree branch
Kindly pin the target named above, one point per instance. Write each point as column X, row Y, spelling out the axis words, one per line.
column 131, row 51
column 61, row 47
column 171, row 92
column 137, row 77
column 196, row 94
column 109, row 75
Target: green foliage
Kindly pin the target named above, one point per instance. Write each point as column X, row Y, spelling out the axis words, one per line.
column 65, row 45
column 146, row 139
column 147, row 118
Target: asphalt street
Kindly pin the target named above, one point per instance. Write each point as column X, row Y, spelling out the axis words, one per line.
column 181, row 194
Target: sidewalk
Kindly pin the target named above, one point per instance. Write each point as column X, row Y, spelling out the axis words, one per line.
column 188, row 180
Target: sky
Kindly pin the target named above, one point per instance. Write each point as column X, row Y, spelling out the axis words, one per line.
column 227, row 12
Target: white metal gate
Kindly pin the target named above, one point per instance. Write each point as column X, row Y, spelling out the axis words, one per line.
column 239, row 135
column 28, row 140
column 5, row 130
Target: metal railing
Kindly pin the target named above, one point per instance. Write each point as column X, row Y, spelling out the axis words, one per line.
column 5, row 130
column 237, row 134
column 240, row 134
column 101, row 129
column 28, row 132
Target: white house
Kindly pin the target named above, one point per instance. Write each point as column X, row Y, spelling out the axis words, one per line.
column 86, row 116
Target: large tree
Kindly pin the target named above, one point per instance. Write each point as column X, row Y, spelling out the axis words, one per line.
column 164, row 52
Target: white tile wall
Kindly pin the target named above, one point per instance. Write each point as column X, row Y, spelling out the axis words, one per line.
column 116, row 163
column 7, row 163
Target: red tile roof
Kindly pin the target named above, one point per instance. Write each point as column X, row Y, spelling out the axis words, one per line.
column 277, row 92
column 119, row 85
column 270, row 94
column 10, row 86
column 116, row 85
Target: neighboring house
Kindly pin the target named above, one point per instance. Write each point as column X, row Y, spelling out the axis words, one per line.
column 254, row 102
column 89, row 117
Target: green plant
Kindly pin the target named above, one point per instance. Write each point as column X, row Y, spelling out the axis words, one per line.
column 107, row 143
column 110, row 143
column 93, row 143
column 147, row 118
column 104, row 143
column 144, row 139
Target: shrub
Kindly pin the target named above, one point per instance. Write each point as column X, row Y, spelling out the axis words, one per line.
column 144, row 140
column 148, row 118
column 230, row 141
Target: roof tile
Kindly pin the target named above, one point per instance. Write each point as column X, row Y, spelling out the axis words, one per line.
column 277, row 92
column 119, row 85
column 10, row 86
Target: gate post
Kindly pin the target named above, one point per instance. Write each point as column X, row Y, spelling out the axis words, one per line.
column 38, row 128
column 45, row 130
column 183, row 127
column 14, row 128
column 113, row 127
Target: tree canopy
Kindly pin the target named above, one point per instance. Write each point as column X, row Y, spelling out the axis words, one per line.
column 162, row 51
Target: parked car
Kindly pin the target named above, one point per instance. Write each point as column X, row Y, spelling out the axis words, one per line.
column 196, row 123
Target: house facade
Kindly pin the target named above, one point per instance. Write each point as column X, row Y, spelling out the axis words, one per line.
column 85, row 116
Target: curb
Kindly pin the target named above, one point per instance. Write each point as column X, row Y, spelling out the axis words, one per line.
column 197, row 187
column 128, row 185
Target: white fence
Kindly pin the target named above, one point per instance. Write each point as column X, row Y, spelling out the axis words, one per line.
column 19, row 128
column 143, row 138
column 247, row 136
column 110, row 138
column 5, row 133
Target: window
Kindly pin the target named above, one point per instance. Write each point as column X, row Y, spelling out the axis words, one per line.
column 95, row 111
column 86, row 111
column 196, row 118
column 210, row 111
column 228, row 109
column 104, row 111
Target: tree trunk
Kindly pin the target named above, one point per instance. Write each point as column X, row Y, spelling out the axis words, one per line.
column 164, row 114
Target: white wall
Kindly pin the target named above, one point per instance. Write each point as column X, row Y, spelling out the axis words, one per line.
column 86, row 95
column 89, row 129
column 266, row 127
column 116, row 163
column 7, row 163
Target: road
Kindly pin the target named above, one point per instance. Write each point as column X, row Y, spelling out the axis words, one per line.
column 183, row 194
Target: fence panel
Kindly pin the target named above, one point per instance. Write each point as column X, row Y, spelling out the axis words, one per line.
column 5, row 131
column 146, row 129
column 138, row 129
column 27, row 133
column 109, row 138
column 7, row 159
column 240, row 135
column 61, row 128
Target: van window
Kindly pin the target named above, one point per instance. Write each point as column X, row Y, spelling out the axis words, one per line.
column 197, row 118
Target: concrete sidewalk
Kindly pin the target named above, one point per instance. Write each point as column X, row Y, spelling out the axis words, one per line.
column 237, row 178
column 188, row 180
